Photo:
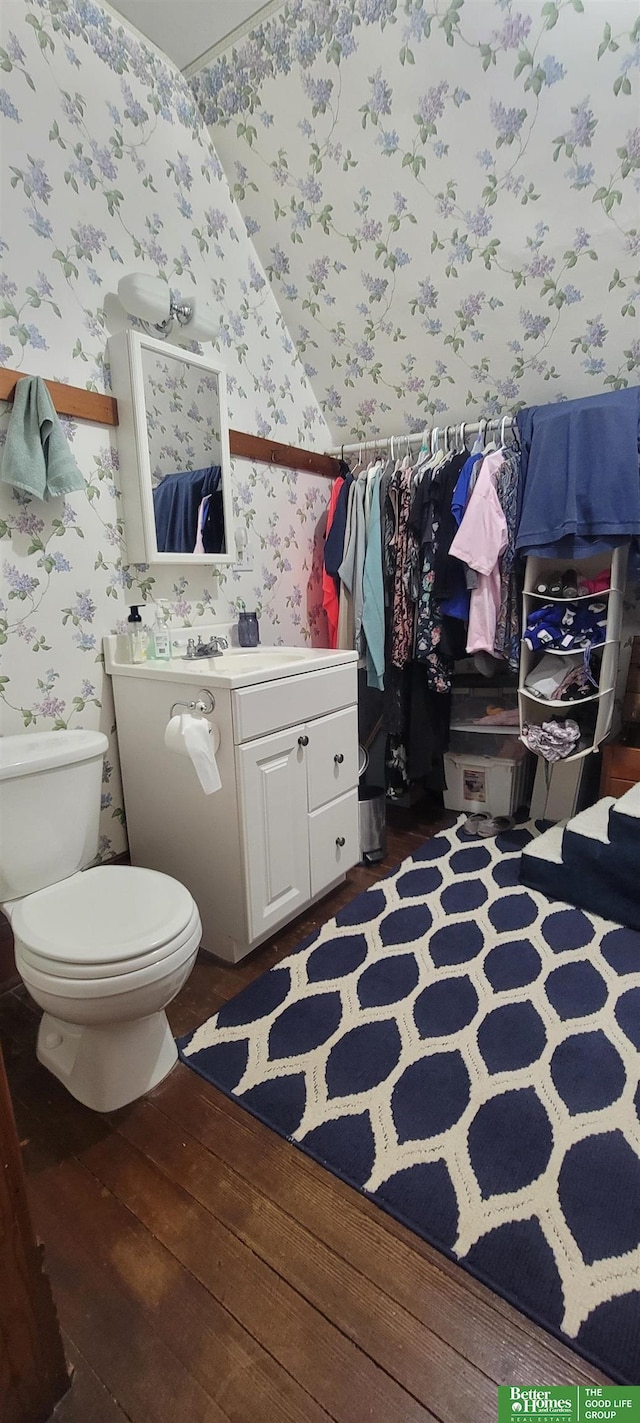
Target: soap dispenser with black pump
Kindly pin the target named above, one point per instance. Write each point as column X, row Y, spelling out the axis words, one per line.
column 137, row 636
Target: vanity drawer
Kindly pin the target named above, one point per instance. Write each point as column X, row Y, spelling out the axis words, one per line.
column 276, row 705
column 332, row 756
column 334, row 823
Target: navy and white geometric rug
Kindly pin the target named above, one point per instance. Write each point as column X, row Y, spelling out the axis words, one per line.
column 466, row 1052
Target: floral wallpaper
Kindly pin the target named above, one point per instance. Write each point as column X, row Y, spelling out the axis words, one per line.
column 444, row 194
column 109, row 169
column 181, row 403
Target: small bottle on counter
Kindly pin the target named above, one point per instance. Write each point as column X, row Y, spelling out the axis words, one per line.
column 161, row 650
column 248, row 631
column 137, row 636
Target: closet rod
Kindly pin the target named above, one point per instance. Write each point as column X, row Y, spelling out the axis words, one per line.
column 473, row 427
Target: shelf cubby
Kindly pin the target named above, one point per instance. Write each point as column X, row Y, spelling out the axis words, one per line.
column 599, row 707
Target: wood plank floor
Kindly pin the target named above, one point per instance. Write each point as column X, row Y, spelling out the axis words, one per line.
column 207, row 1272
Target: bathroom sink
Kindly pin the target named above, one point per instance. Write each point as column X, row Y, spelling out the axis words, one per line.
column 262, row 659
column 234, row 667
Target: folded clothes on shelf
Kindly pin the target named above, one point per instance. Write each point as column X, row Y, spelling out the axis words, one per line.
column 562, row 678
column 601, row 583
column 554, row 740
column 568, row 628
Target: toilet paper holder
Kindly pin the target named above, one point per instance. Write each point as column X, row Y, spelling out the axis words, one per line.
column 206, row 703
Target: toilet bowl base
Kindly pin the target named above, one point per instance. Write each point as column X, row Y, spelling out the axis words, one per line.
column 105, row 1066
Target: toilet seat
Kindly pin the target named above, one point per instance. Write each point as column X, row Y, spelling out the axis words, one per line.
column 105, row 923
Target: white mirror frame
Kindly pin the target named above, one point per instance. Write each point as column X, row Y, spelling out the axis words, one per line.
column 127, row 379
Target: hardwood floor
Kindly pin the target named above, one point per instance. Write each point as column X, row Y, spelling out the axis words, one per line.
column 205, row 1271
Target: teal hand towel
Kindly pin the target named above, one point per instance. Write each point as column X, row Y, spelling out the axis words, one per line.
column 36, row 457
column 373, row 595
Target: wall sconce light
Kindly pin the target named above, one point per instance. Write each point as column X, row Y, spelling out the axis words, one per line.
column 149, row 299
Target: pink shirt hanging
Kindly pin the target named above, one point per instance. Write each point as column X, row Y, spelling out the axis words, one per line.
column 479, row 542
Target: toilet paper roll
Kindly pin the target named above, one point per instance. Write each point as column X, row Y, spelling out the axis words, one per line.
column 192, row 736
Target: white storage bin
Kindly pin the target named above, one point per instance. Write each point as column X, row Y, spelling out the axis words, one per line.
column 471, row 705
column 497, row 785
column 495, row 745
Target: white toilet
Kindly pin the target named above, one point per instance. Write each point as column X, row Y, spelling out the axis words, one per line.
column 103, row 951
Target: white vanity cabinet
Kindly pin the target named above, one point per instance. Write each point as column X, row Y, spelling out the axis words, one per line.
column 300, row 821
column 283, row 829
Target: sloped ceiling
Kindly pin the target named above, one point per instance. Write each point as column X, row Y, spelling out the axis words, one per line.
column 187, row 29
column 445, row 198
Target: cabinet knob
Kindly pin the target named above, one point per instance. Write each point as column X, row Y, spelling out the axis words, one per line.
column 340, row 841
column 338, row 758
column 303, row 741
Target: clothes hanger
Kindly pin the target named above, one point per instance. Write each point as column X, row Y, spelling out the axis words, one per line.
column 420, row 461
column 491, row 448
column 438, row 456
column 478, row 444
column 358, row 464
column 502, row 429
column 374, row 469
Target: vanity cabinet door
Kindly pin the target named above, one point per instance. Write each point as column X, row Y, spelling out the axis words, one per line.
column 332, row 757
column 273, row 778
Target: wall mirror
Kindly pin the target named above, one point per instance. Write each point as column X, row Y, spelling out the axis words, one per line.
column 173, row 444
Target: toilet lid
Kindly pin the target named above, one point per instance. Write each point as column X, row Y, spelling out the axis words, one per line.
column 104, row 915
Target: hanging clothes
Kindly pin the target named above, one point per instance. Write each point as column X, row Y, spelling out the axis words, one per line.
column 336, row 525
column 346, row 615
column 329, row 587
column 507, row 639
column 428, row 644
column 479, row 542
column 409, row 540
column 457, row 604
column 351, row 569
column 176, row 504
column 213, row 530
column 373, row 589
column 202, row 513
column 447, row 572
column 402, row 557
column 395, row 495
column 580, row 483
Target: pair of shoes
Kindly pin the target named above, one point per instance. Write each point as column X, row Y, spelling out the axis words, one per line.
column 559, row 585
column 495, row 825
column 472, row 822
column 485, row 825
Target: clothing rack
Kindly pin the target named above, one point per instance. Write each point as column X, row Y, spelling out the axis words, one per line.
column 448, row 433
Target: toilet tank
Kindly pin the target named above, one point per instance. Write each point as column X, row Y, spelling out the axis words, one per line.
column 49, row 807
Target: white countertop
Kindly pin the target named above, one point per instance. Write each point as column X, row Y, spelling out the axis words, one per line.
column 237, row 667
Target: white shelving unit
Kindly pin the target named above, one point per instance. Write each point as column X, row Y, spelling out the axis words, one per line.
column 534, row 710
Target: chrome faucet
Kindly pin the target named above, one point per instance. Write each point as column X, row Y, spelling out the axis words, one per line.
column 214, row 648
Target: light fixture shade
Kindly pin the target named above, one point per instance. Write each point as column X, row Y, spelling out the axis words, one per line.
column 144, row 296
column 203, row 324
